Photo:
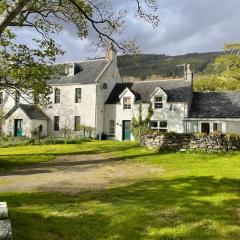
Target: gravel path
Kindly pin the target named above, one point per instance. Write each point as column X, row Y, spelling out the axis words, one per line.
column 75, row 173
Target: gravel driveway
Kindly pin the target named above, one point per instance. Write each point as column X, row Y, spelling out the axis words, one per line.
column 76, row 173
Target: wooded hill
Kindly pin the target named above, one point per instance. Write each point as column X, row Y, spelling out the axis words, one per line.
column 145, row 66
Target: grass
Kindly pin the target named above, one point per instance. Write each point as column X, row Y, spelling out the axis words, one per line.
column 197, row 197
column 18, row 156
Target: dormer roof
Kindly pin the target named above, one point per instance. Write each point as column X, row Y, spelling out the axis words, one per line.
column 176, row 90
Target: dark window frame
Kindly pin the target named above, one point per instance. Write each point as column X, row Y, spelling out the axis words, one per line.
column 78, row 95
column 56, row 123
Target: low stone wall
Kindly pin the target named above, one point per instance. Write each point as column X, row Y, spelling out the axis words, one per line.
column 182, row 142
column 5, row 225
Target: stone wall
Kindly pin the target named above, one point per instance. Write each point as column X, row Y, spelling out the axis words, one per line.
column 5, row 225
column 182, row 142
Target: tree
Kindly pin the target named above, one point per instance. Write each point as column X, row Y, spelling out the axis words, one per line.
column 26, row 70
column 226, row 72
column 229, row 62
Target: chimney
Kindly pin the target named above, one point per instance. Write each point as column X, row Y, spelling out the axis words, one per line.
column 111, row 53
column 189, row 73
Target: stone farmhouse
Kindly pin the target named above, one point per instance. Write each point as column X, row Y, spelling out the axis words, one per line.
column 93, row 94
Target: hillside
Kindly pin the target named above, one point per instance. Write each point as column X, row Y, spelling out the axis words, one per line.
column 150, row 66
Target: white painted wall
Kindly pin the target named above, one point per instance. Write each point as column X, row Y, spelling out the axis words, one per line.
column 116, row 112
column 8, row 124
column 233, row 126
column 35, row 126
column 67, row 109
column 110, row 77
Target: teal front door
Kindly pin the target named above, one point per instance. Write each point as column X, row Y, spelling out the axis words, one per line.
column 126, row 130
column 18, row 131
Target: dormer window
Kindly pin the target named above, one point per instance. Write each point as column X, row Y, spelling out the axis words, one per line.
column 158, row 103
column 127, row 103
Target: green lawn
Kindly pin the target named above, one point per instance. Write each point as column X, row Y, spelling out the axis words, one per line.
column 197, row 197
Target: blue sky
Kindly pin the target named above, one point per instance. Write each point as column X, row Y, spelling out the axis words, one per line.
column 186, row 26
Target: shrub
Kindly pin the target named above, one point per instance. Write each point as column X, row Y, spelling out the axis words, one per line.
column 71, row 141
column 59, row 141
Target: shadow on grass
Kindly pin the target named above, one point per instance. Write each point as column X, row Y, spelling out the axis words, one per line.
column 180, row 208
column 83, row 165
column 8, row 161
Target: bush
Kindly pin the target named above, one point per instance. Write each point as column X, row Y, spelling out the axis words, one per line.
column 71, row 141
column 59, row 141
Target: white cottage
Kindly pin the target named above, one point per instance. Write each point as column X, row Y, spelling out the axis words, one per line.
column 92, row 94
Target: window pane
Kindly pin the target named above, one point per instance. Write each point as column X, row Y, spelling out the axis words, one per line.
column 56, row 123
column 127, row 103
column 217, row 127
column 112, row 127
column 57, row 96
column 78, row 95
column 158, row 102
column 163, row 124
column 77, row 123
column 153, row 124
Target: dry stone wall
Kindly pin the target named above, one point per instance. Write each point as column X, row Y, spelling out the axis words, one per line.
column 182, row 142
column 5, row 225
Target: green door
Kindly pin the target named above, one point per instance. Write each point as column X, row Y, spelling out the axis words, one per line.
column 126, row 130
column 18, row 131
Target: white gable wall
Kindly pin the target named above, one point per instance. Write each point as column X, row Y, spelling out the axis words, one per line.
column 110, row 77
column 8, row 124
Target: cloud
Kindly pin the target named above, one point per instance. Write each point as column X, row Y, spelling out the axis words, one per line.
column 186, row 26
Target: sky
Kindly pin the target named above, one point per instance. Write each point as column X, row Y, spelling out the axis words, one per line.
column 186, row 26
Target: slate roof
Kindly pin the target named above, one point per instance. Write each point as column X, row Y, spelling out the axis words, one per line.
column 32, row 111
column 177, row 90
column 215, row 105
column 90, row 70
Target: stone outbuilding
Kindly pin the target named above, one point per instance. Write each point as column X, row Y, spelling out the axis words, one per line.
column 26, row 120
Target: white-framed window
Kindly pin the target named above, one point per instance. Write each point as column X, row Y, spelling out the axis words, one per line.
column 77, row 123
column 127, row 103
column 57, row 95
column 112, row 127
column 160, row 126
column 1, row 98
column 217, row 127
column 158, row 104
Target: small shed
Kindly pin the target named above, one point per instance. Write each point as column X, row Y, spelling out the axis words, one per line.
column 26, row 120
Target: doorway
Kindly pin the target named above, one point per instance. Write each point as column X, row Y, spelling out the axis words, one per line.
column 18, row 131
column 126, row 130
column 205, row 128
